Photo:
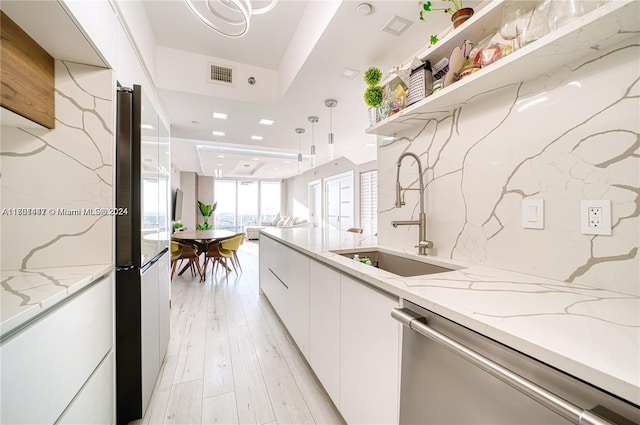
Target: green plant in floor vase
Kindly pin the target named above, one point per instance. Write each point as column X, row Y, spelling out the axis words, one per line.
column 206, row 210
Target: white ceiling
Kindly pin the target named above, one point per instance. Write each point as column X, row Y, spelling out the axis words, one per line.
column 348, row 40
column 273, row 46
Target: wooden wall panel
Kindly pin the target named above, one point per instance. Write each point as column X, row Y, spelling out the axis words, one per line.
column 26, row 75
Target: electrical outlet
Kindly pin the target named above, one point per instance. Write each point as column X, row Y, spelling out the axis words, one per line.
column 596, row 217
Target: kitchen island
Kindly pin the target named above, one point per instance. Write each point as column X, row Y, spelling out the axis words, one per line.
column 586, row 332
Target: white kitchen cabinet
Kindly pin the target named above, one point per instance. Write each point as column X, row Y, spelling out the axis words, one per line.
column 150, row 332
column 95, row 402
column 286, row 285
column 46, row 364
column 369, row 355
column 270, row 282
column 324, row 327
column 297, row 307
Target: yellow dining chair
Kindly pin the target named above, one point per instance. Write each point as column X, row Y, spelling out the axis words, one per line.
column 180, row 252
column 216, row 255
column 232, row 245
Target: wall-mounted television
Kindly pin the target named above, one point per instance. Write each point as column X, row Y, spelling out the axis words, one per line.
column 177, row 205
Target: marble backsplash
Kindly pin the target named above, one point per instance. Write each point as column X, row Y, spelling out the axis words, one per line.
column 61, row 174
column 568, row 136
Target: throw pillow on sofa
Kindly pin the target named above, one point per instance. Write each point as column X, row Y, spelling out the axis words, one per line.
column 275, row 220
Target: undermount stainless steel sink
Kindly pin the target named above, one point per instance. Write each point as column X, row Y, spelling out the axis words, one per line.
column 396, row 264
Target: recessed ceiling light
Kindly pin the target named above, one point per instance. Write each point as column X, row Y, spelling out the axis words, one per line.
column 265, row 121
column 147, row 126
column 218, row 133
column 220, row 156
column 369, row 144
column 219, row 115
column 396, row 25
column 256, row 137
column 348, row 73
column 256, row 159
column 389, row 138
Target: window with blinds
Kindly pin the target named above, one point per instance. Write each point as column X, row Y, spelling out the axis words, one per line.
column 369, row 202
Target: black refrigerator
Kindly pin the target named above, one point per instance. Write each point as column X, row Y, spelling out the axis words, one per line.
column 141, row 242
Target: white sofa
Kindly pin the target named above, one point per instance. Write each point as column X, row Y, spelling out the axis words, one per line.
column 253, row 232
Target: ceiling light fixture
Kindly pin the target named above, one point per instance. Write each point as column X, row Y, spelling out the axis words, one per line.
column 331, row 103
column 227, row 17
column 233, row 151
column 218, row 133
column 300, row 131
column 219, row 115
column 257, row 137
column 313, row 120
column 265, row 121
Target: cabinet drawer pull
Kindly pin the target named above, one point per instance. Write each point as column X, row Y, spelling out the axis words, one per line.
column 273, row 273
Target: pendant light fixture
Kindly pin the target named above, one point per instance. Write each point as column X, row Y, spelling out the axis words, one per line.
column 331, row 103
column 227, row 17
column 300, row 131
column 313, row 120
column 218, row 170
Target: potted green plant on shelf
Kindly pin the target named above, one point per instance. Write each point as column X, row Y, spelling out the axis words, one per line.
column 177, row 226
column 458, row 13
column 206, row 210
column 373, row 94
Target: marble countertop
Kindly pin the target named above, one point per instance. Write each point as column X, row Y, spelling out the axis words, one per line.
column 590, row 333
column 25, row 294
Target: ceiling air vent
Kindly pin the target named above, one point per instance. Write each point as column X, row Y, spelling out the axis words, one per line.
column 220, row 74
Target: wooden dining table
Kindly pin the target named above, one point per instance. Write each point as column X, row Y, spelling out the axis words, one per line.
column 201, row 238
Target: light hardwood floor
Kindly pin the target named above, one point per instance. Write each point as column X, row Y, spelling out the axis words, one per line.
column 230, row 359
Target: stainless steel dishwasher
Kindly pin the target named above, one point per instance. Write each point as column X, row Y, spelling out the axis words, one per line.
column 453, row 375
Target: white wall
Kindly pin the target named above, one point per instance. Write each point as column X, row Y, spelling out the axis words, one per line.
column 189, row 186
column 563, row 138
column 297, row 195
column 175, row 178
column 121, row 32
column 66, row 168
column 188, row 72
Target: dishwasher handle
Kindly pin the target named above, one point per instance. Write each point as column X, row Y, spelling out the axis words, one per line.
column 564, row 408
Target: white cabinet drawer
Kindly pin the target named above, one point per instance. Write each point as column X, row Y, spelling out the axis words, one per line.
column 45, row 365
column 96, row 401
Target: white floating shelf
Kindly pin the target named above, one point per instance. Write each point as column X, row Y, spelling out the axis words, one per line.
column 603, row 27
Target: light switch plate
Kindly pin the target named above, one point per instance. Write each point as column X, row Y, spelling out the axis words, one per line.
column 595, row 217
column 533, row 213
